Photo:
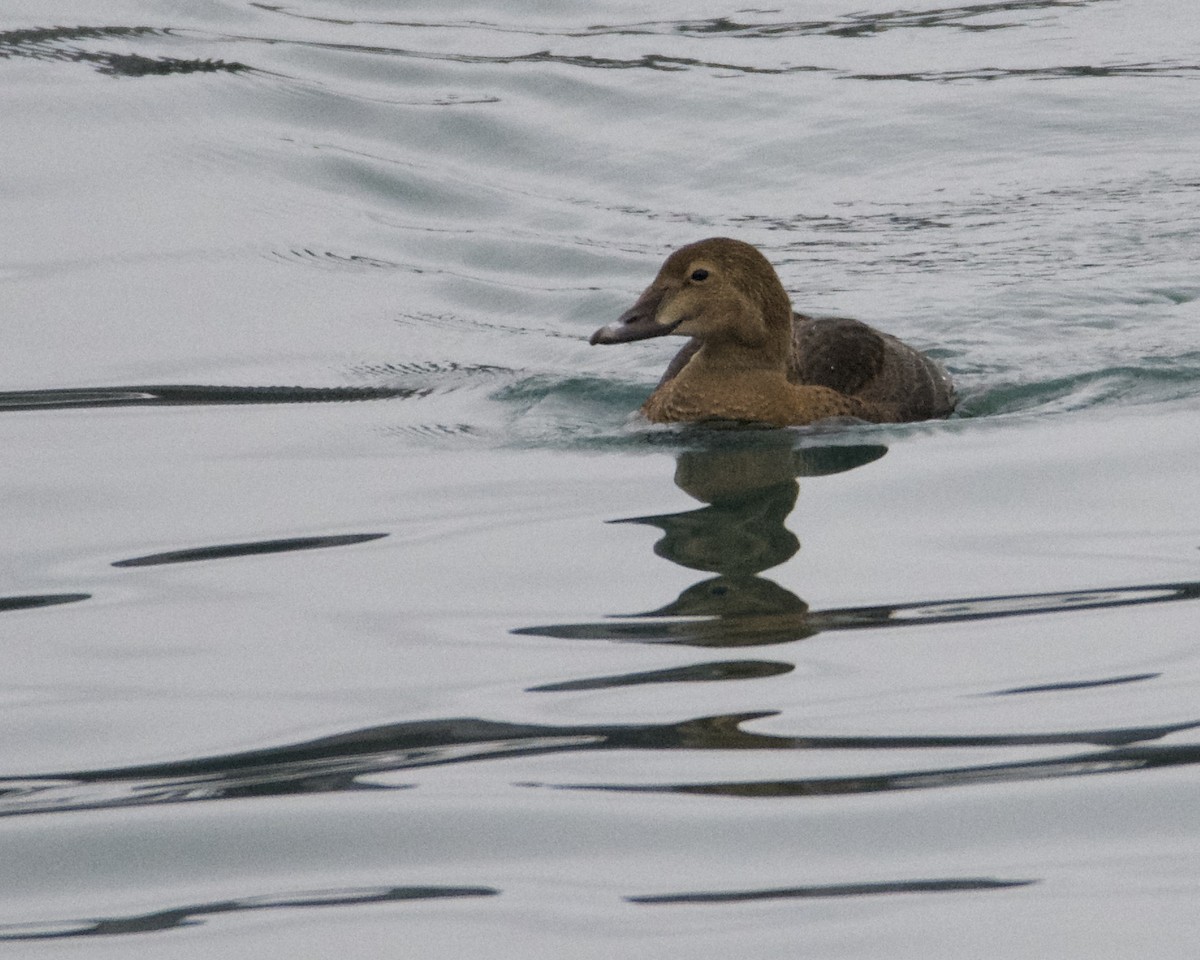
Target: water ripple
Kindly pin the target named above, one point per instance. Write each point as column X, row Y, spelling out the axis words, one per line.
column 1169, row 68
column 944, row 885
column 353, row 761
column 192, row 914
column 963, row 17
column 61, row 44
column 189, row 395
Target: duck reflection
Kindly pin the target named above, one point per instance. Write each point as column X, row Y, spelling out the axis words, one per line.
column 748, row 483
column 749, row 492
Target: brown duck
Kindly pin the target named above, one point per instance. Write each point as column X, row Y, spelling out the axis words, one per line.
column 751, row 358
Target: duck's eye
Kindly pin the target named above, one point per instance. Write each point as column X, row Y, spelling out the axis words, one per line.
column 699, row 275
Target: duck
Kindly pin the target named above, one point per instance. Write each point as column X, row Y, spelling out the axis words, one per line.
column 752, row 358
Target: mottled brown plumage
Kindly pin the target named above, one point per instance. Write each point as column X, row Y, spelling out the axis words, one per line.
column 752, row 359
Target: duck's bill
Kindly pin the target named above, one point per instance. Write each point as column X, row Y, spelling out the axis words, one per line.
column 636, row 323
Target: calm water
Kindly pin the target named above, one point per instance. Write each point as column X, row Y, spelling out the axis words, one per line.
column 347, row 612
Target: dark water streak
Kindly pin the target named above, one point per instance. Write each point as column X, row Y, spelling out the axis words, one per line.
column 253, row 549
column 57, row 44
column 736, row 612
column 335, row 763
column 850, row 26
column 170, row 395
column 194, row 914
column 835, row 890
column 32, row 601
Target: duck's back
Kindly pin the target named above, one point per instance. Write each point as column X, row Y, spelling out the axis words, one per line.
column 856, row 359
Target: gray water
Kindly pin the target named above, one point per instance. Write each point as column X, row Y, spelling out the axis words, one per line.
column 348, row 612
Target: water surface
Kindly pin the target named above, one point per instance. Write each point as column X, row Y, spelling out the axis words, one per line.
column 347, row 610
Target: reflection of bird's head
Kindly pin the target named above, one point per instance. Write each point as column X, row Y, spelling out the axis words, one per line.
column 733, row 597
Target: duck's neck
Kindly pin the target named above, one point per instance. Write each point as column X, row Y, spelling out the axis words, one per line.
column 727, row 357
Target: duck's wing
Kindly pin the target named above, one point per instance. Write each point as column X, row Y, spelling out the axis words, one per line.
column 836, row 352
column 856, row 359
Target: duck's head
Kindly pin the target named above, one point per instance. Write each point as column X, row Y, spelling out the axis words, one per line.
column 717, row 290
